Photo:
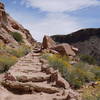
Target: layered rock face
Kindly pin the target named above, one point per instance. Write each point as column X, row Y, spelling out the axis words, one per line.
column 8, row 25
column 86, row 40
column 3, row 18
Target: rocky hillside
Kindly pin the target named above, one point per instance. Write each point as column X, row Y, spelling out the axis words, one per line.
column 9, row 28
column 44, row 74
column 86, row 40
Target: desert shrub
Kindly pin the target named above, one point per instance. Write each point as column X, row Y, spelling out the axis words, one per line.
column 17, row 36
column 6, row 62
column 19, row 52
column 22, row 50
column 2, row 46
column 96, row 71
column 88, row 59
column 91, row 93
column 8, row 55
column 46, row 55
column 80, row 76
column 77, row 75
column 58, row 62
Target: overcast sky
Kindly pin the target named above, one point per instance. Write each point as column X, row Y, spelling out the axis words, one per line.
column 49, row 17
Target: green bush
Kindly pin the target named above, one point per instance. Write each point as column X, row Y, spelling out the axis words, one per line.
column 19, row 52
column 6, row 62
column 17, row 36
column 22, row 51
column 91, row 93
column 96, row 71
column 88, row 59
column 57, row 62
column 8, row 55
column 80, row 76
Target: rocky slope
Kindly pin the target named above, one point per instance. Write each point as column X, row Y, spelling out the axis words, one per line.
column 86, row 40
column 8, row 25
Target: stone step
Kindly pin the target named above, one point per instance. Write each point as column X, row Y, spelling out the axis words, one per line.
column 29, row 87
column 30, row 77
column 25, row 64
column 25, row 69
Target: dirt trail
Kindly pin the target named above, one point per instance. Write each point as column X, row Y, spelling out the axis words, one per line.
column 32, row 79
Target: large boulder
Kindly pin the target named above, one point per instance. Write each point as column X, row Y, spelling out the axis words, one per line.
column 47, row 43
column 64, row 49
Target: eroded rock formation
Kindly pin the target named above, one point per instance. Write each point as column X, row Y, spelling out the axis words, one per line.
column 8, row 25
column 47, row 43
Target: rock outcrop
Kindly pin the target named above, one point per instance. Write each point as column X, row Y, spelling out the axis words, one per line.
column 33, row 79
column 8, row 25
column 86, row 40
column 49, row 45
column 64, row 49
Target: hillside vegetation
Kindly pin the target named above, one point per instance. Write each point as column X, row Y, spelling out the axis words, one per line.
column 9, row 56
column 86, row 40
column 77, row 74
column 17, row 36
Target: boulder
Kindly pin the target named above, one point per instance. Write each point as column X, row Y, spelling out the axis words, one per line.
column 59, row 81
column 47, row 43
column 74, row 49
column 64, row 49
column 15, row 26
column 8, row 76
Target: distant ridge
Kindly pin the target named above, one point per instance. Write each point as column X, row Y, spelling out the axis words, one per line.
column 86, row 40
column 77, row 36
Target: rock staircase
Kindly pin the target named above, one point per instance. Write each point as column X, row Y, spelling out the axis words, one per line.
column 31, row 78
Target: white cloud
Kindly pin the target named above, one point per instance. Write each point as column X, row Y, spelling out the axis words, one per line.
column 55, row 21
column 53, row 24
column 60, row 5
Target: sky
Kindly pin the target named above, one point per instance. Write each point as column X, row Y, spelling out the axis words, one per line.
column 51, row 17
